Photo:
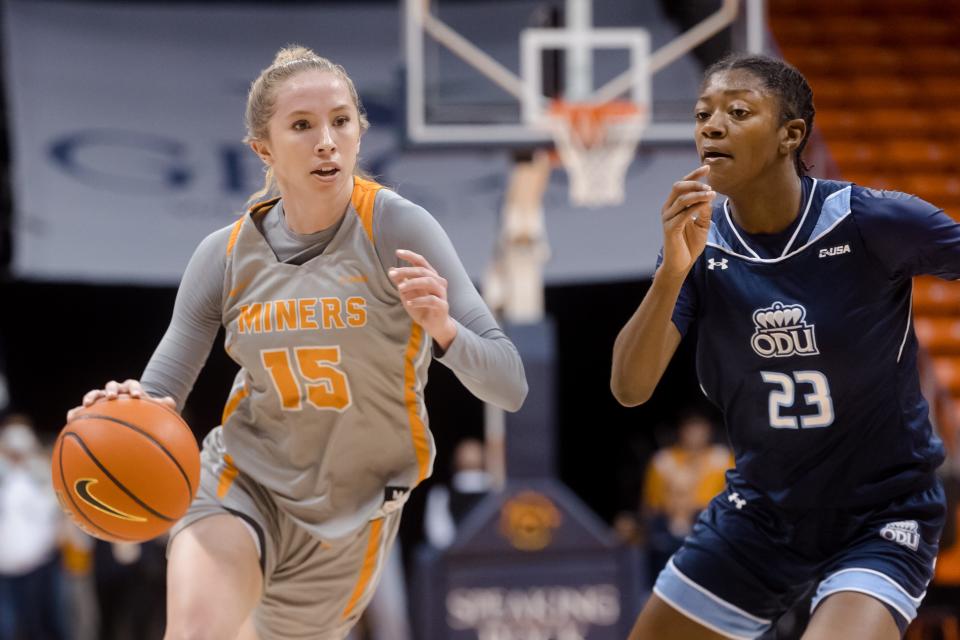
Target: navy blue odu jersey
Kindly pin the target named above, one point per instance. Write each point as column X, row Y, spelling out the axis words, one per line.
column 811, row 354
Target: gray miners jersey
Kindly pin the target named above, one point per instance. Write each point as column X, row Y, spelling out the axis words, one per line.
column 328, row 410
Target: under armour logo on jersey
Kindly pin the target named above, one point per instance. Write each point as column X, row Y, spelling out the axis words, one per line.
column 906, row 533
column 781, row 331
column 713, row 264
column 737, row 501
column 394, row 493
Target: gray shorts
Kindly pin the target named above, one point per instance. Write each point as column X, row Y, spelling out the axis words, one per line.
column 313, row 589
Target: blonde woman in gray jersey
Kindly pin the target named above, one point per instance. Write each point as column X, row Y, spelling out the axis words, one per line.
column 334, row 293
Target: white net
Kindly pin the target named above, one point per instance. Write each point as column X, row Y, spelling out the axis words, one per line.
column 596, row 144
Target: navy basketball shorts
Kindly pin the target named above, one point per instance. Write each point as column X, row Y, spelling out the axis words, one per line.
column 747, row 561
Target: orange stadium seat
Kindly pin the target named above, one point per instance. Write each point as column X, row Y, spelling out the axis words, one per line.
column 917, row 155
column 936, row 297
column 901, row 122
column 941, row 190
column 811, row 60
column 938, row 335
column 855, row 156
column 850, row 32
column 873, row 179
column 942, row 90
column 943, row 60
column 932, row 8
column 949, row 119
column 874, row 59
column 886, row 90
column 896, row 122
column 794, row 31
column 866, row 8
column 947, row 369
column 829, row 93
column 929, row 31
column 841, row 123
column 854, row 32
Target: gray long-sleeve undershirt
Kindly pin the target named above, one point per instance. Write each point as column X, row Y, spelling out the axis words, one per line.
column 481, row 356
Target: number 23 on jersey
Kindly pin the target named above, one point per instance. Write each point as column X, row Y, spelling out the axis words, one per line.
column 784, row 396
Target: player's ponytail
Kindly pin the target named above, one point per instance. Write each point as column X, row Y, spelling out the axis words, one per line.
column 261, row 101
column 793, row 90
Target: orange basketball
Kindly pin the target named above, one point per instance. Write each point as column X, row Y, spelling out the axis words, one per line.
column 126, row 470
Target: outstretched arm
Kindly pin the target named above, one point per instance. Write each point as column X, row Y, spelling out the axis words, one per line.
column 648, row 341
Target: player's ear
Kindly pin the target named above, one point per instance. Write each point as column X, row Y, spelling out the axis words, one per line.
column 792, row 133
column 262, row 149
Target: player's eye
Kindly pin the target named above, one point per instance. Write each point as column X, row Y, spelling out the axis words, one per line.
column 739, row 113
column 301, row 125
column 702, row 116
column 341, row 120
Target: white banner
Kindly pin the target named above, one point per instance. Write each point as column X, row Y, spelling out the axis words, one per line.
column 126, row 126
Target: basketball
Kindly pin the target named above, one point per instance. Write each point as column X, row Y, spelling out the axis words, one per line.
column 126, row 470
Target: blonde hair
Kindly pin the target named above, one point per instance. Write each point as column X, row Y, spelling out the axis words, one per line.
column 261, row 101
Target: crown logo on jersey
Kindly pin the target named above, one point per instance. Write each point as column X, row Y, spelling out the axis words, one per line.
column 782, row 331
column 905, row 533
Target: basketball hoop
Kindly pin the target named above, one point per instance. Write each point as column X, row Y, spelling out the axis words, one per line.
column 596, row 143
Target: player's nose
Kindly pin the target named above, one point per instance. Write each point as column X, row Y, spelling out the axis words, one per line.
column 713, row 127
column 325, row 142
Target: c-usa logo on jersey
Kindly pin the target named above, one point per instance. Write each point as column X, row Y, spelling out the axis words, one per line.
column 781, row 331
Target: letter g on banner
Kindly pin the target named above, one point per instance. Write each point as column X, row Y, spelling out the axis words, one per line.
column 122, row 161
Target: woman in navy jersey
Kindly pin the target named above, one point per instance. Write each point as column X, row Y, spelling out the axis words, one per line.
column 799, row 290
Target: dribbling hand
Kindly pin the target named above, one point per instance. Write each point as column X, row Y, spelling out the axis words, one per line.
column 423, row 293
column 113, row 390
column 686, row 222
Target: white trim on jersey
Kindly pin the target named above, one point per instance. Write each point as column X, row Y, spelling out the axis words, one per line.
column 715, row 598
column 841, row 216
column 733, row 227
column 887, row 601
column 916, row 600
column 906, row 331
column 803, row 218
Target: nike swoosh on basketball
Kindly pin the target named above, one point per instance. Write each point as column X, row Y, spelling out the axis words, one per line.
column 82, row 489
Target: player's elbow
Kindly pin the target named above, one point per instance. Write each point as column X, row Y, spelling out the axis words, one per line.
column 516, row 399
column 629, row 394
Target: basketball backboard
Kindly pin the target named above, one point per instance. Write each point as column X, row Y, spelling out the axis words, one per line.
column 471, row 81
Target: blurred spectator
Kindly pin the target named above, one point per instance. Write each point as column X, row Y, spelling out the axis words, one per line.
column 82, row 615
column 131, row 589
column 448, row 506
column 680, row 482
column 30, row 520
column 627, row 529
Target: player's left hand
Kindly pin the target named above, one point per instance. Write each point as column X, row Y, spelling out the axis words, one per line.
column 423, row 293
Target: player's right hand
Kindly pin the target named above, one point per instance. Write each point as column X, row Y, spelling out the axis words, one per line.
column 113, row 390
column 686, row 222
